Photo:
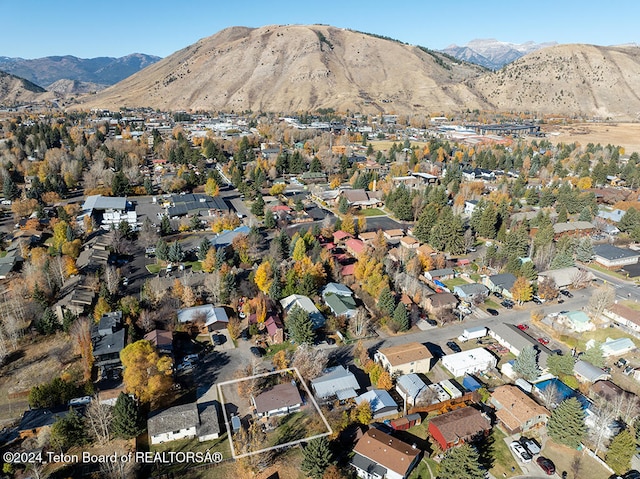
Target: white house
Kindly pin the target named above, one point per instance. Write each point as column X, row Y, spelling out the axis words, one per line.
column 174, row 423
column 279, row 400
column 469, row 362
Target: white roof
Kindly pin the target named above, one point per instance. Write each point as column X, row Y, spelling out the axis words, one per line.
column 99, row 202
column 210, row 314
column 378, row 399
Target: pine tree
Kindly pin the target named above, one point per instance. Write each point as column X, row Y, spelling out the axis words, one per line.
column 300, row 326
column 165, row 226
column 343, row 205
column 528, row 270
column 9, row 188
column 317, row 457
column 162, row 250
column 461, row 462
column 560, row 364
column 127, row 420
column 269, row 220
column 386, row 302
column 585, row 214
column 566, row 424
column 526, row 364
column 584, row 250
column 176, row 254
column 488, row 222
column 594, row 355
column 68, row 431
column 203, row 248
column 621, row 450
column 629, row 221
column 401, row 318
column 257, row 208
column 426, row 221
column 562, row 259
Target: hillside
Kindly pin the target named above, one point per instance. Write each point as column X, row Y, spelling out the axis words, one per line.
column 584, row 80
column 295, row 67
column 15, row 90
column 101, row 70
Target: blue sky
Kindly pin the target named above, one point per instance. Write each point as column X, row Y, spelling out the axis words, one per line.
column 37, row 28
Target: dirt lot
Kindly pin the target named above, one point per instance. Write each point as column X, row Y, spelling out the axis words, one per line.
column 34, row 363
column 577, row 464
column 626, row 135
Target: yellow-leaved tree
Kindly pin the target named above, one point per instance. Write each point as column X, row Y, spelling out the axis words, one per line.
column 522, row 290
column 211, row 188
column 147, row 375
column 264, row 277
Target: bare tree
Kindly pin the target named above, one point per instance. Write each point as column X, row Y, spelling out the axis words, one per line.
column 359, row 324
column 550, row 396
column 576, row 466
column 154, row 290
column 213, row 286
column 543, row 256
column 310, row 362
column 601, row 299
column 112, row 279
column 119, row 468
column 603, row 416
column 580, row 279
column 81, row 334
column 146, row 321
column 626, row 407
column 98, row 419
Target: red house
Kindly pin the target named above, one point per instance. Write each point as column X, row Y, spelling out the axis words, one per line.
column 458, row 427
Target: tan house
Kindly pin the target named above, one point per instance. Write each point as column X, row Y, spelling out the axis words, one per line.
column 623, row 315
column 516, row 411
column 405, row 358
column 379, row 455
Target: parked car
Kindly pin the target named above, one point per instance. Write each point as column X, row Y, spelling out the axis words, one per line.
column 507, row 304
column 621, row 363
column 543, row 340
column 546, row 465
column 632, row 474
column 566, row 293
column 530, row 445
column 522, row 327
column 492, row 312
column 536, row 300
column 520, row 452
column 498, row 295
column 628, row 370
column 454, row 347
column 256, row 351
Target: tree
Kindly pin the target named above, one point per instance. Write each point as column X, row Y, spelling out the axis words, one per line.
column 81, row 333
column 594, row 355
column 522, row 290
column 257, row 208
column 401, row 318
column 629, row 221
column 461, row 462
column 127, row 421
column 309, row 362
column 176, row 254
column 560, row 364
column 362, row 413
column 601, row 299
column 264, row 276
column 300, row 326
column 526, row 363
column 426, row 220
column 68, row 431
column 386, row 302
column 146, row 374
column 203, row 249
column 120, row 184
column 9, row 188
column 48, row 323
column 550, row 396
column 584, row 250
column 343, row 205
column 317, row 457
column 384, row 381
column 165, row 226
column 211, row 187
column 102, row 307
column 566, row 424
column 98, row 418
column 621, row 450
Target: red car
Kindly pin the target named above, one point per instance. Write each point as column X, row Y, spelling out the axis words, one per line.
column 522, row 327
column 546, row 465
column 544, row 341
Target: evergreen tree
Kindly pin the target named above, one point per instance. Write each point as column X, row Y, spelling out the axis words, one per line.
column 9, row 188
column 162, row 250
column 68, row 431
column 165, row 226
column 621, row 450
column 257, row 208
column 343, row 205
column 526, row 364
column 461, row 462
column 594, row 355
column 562, row 259
column 386, row 302
column 629, row 221
column 401, row 318
column 48, row 322
column 426, row 221
column 300, row 326
column 584, row 250
column 448, row 232
column 528, row 270
column 269, row 220
column 585, row 214
column 487, row 225
column 127, row 421
column 176, row 254
column 560, row 364
column 566, row 424
column 317, row 457
column 120, row 184
column 203, row 249
column 562, row 214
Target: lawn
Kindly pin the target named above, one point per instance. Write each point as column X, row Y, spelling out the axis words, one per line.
column 153, row 268
column 371, row 212
column 503, row 460
column 599, row 335
column 426, row 469
column 452, row 283
column 566, row 459
column 632, row 305
column 489, row 303
column 274, row 348
column 194, row 265
column 294, row 427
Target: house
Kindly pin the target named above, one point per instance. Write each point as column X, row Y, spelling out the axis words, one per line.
column 197, row 204
column 368, row 237
column 565, row 277
column 162, row 340
column 108, row 339
column 410, row 387
column 577, row 321
column 509, row 336
column 381, row 402
column 500, row 283
column 225, row 238
column 573, row 228
column 470, row 207
column 279, row 400
column 584, row 371
column 379, row 455
column 439, row 274
column 623, row 315
column 616, row 347
column 440, row 301
column 339, row 237
column 409, row 242
column 174, row 423
column 405, row 358
column 337, row 289
column 469, row 362
column 457, row 427
column 360, row 198
column 34, row 420
column 305, row 303
column 516, row 411
column 8, row 263
column 613, row 257
column 471, row 292
column 355, row 247
column 336, row 381
column 275, row 329
column 393, row 236
column 607, row 390
column 108, row 211
column 209, row 427
column 341, row 305
column 211, row 318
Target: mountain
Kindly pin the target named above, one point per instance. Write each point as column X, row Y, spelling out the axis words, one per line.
column 67, row 88
column 298, row 67
column 493, row 54
column 584, row 80
column 14, row 90
column 101, row 70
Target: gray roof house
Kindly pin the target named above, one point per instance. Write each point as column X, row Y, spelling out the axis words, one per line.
column 214, row 318
column 305, row 303
column 174, row 423
column 336, row 381
column 500, row 283
column 470, row 291
column 279, row 400
column 381, row 402
column 613, row 257
column 410, row 386
column 587, row 372
column 336, row 288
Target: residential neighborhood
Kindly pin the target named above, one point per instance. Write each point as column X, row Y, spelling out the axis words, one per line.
column 358, row 298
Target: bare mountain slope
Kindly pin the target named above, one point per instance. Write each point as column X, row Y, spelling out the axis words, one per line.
column 16, row 90
column 584, row 80
column 296, row 67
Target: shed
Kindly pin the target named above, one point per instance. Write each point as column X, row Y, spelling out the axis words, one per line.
column 587, row 372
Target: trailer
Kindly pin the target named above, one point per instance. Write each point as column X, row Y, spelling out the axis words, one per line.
column 471, row 383
column 450, row 389
column 406, row 422
column 473, row 333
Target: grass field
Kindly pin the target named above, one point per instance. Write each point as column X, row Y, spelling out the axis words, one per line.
column 503, row 460
column 452, row 283
column 153, row 268
column 567, row 459
column 371, row 212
